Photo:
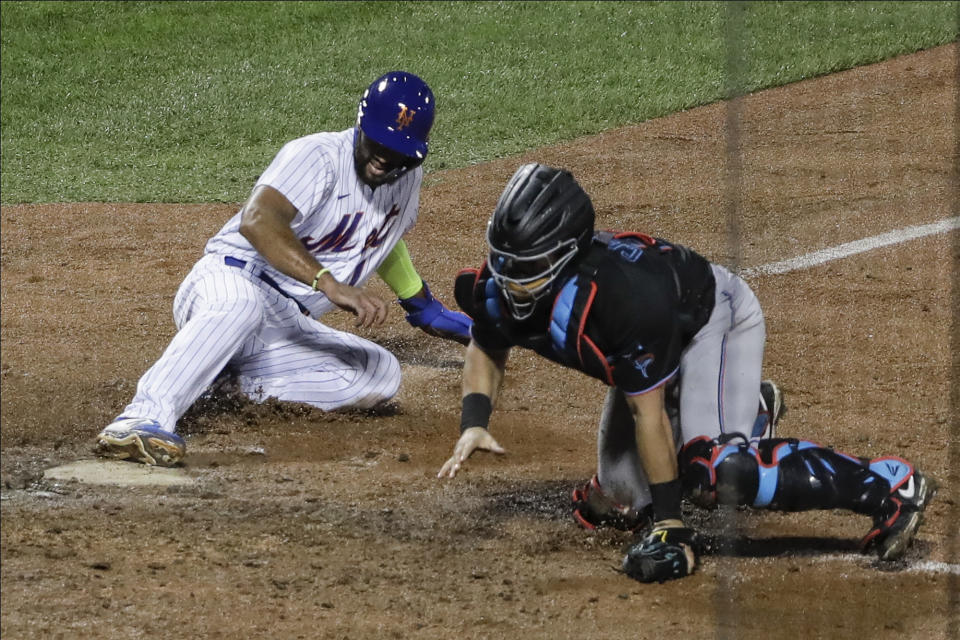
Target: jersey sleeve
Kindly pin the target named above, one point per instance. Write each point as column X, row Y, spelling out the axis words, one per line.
column 304, row 172
column 413, row 202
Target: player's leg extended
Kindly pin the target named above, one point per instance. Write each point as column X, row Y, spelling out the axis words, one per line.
column 619, row 495
column 321, row 366
column 217, row 310
column 618, row 464
column 796, row 475
column 725, row 460
column 720, row 371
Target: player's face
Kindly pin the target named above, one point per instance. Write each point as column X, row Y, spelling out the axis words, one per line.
column 375, row 162
column 525, row 291
column 526, row 277
column 526, row 281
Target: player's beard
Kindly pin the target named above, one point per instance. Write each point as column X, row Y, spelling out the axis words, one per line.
column 372, row 168
column 374, row 174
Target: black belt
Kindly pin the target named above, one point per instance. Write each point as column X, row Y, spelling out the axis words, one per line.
column 230, row 261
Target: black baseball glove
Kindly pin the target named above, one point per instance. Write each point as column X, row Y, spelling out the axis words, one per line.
column 669, row 551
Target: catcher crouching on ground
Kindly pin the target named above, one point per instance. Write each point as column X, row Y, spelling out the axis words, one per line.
column 680, row 342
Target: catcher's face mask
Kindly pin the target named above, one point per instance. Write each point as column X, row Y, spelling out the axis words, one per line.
column 524, row 280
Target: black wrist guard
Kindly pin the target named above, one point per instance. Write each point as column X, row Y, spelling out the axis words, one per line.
column 666, row 500
column 476, row 411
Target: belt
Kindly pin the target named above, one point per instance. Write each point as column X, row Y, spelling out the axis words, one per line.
column 230, row 261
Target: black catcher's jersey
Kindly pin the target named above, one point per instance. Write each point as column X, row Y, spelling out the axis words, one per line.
column 623, row 314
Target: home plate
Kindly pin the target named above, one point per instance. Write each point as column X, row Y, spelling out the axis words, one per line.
column 125, row 474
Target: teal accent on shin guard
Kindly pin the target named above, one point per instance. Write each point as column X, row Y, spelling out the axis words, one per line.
column 782, row 474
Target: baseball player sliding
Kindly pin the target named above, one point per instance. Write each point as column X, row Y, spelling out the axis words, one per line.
column 329, row 211
column 680, row 342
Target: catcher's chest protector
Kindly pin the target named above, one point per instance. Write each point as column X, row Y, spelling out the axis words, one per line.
column 568, row 334
column 572, row 306
column 568, row 319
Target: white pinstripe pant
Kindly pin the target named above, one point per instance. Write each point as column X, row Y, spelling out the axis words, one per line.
column 227, row 315
column 719, row 377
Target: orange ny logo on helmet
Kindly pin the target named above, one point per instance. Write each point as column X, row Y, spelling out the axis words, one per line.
column 405, row 117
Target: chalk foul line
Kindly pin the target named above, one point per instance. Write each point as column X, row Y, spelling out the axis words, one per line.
column 843, row 251
column 917, row 566
column 852, row 248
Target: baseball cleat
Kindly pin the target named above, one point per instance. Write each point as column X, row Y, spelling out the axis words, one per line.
column 773, row 408
column 592, row 508
column 773, row 399
column 896, row 525
column 141, row 440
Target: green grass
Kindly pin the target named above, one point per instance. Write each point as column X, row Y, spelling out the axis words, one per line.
column 189, row 101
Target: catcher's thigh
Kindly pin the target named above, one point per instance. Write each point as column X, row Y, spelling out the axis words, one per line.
column 720, row 370
column 318, row 365
column 618, row 464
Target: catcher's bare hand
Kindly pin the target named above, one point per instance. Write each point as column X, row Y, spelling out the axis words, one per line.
column 669, row 551
column 369, row 309
column 472, row 439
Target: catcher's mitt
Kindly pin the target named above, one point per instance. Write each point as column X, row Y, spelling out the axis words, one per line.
column 667, row 552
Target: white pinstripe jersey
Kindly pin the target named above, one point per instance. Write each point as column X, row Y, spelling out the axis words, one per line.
column 345, row 224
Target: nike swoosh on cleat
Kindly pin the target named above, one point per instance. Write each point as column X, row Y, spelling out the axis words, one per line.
column 908, row 490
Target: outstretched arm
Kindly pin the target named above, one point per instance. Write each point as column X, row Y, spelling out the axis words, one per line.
column 423, row 310
column 482, row 377
column 265, row 223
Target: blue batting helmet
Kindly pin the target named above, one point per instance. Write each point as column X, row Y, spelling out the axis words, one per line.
column 397, row 112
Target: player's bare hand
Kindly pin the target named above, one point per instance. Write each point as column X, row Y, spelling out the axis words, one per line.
column 472, row 439
column 369, row 309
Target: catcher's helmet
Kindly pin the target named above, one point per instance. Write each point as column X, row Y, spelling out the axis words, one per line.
column 396, row 111
column 543, row 218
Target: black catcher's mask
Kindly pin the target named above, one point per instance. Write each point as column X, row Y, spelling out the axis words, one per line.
column 543, row 218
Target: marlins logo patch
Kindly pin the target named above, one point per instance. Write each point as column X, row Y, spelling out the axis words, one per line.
column 405, row 117
column 642, row 362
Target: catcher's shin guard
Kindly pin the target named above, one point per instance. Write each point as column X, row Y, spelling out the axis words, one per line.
column 794, row 475
column 783, row 474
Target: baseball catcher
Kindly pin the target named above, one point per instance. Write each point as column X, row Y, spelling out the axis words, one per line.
column 679, row 341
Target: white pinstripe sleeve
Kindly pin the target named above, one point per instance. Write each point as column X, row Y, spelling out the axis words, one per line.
column 304, row 172
column 412, row 208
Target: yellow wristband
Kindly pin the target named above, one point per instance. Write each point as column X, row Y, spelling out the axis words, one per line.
column 316, row 278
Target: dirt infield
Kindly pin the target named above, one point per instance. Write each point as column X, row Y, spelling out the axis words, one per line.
column 302, row 524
